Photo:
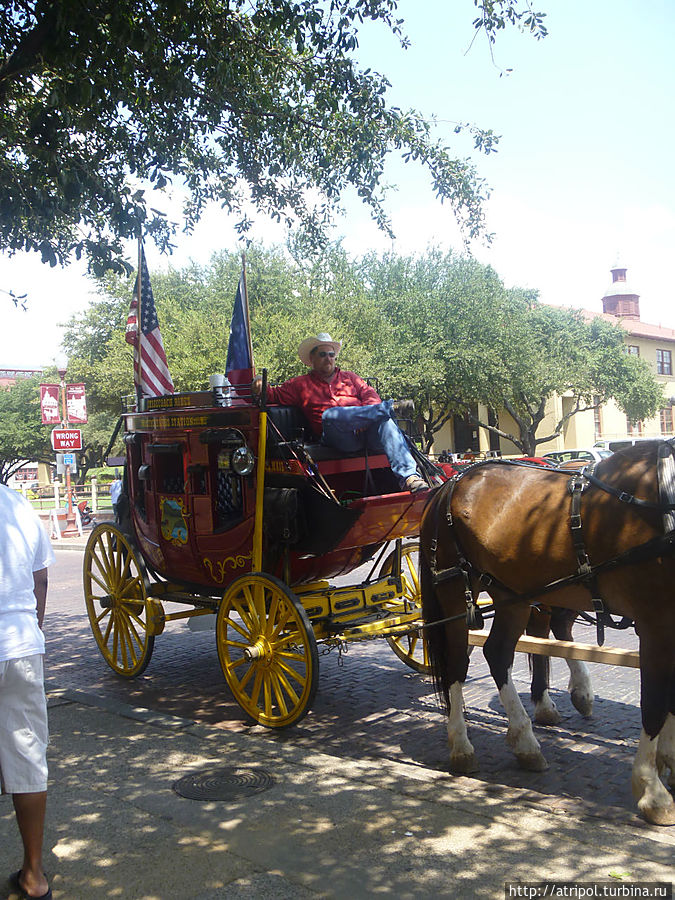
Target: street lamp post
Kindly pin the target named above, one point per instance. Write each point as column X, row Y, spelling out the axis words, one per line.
column 71, row 528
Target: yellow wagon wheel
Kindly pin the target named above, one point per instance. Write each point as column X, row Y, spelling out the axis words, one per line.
column 267, row 650
column 411, row 646
column 115, row 594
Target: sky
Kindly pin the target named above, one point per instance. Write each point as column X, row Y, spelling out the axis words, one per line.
column 583, row 177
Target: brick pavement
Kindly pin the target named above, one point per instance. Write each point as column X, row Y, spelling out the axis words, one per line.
column 369, row 704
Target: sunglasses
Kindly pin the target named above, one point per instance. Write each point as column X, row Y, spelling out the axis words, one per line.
column 324, row 353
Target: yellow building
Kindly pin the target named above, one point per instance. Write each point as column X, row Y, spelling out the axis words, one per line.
column 653, row 343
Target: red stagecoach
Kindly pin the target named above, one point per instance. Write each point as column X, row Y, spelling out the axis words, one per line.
column 233, row 510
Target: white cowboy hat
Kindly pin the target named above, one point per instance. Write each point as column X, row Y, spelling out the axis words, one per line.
column 309, row 344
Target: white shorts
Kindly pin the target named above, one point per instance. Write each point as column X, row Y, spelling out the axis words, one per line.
column 23, row 726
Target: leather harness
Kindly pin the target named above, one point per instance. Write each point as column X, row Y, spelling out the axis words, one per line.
column 586, row 573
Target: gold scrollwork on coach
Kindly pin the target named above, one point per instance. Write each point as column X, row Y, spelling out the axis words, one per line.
column 221, row 566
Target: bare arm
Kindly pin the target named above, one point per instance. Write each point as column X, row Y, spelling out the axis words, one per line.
column 40, row 581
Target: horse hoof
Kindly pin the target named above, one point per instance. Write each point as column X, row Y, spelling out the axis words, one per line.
column 583, row 703
column 532, row 762
column 547, row 715
column 658, row 815
column 463, row 764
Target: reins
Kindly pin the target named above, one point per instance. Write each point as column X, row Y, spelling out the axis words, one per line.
column 586, row 573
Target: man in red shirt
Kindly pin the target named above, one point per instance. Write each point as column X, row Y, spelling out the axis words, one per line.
column 347, row 413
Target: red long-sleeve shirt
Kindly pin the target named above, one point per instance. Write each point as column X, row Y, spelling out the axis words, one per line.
column 313, row 395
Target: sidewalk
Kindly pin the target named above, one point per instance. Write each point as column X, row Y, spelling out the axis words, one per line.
column 326, row 826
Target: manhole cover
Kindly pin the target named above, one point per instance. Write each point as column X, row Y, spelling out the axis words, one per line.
column 229, row 783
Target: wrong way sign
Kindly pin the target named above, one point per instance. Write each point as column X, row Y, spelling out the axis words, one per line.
column 64, row 439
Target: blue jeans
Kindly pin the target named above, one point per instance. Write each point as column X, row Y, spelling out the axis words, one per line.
column 353, row 428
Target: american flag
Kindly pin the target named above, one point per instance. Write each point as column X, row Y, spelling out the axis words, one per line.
column 151, row 371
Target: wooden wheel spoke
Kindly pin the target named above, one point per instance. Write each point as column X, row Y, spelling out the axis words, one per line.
column 289, row 670
column 287, row 686
column 106, row 636
column 279, row 694
column 257, row 684
column 108, row 558
column 115, row 637
column 291, row 637
column 271, row 617
column 101, row 584
column 247, row 675
column 281, row 624
column 127, row 566
column 231, row 623
column 243, row 612
column 267, row 694
column 128, row 586
column 239, row 645
column 131, row 628
column 126, row 641
column 292, row 657
column 102, row 615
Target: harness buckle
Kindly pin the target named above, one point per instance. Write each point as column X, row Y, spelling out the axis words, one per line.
column 626, row 498
column 575, row 521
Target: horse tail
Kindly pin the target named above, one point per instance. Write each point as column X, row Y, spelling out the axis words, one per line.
column 434, row 636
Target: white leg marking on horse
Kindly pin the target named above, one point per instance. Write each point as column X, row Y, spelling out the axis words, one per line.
column 520, row 736
column 580, row 687
column 653, row 800
column 462, row 756
column 545, row 710
column 665, row 750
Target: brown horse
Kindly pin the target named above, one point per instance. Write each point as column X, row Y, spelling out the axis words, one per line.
column 507, row 529
column 559, row 622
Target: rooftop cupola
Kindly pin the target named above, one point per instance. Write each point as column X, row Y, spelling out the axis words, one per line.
column 619, row 300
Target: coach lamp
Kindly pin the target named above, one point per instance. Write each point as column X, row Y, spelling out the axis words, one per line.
column 242, row 461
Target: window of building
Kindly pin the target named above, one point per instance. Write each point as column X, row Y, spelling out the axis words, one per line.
column 634, row 428
column 664, row 362
column 633, row 350
column 666, row 418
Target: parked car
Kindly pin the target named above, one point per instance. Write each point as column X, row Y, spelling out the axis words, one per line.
column 622, row 443
column 584, row 455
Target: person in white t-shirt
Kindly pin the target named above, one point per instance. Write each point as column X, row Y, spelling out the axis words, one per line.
column 25, row 554
column 115, row 491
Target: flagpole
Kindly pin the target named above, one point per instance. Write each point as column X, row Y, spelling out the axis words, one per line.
column 248, row 317
column 137, row 360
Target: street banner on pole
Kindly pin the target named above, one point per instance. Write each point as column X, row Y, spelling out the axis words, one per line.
column 49, row 404
column 76, row 404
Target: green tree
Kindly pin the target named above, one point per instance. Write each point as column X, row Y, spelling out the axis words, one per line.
column 538, row 350
column 439, row 328
column 105, row 104
column 451, row 336
column 22, row 436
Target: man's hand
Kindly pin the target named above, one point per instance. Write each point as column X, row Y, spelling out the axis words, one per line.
column 40, row 580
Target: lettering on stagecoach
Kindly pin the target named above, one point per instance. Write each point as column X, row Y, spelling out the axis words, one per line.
column 221, row 565
column 174, row 401
column 230, row 418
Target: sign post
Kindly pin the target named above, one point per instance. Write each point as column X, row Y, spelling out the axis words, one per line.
column 76, row 437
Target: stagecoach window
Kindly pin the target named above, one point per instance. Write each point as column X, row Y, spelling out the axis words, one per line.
column 169, row 469
column 229, row 500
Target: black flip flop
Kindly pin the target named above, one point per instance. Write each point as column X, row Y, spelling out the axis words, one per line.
column 16, row 885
